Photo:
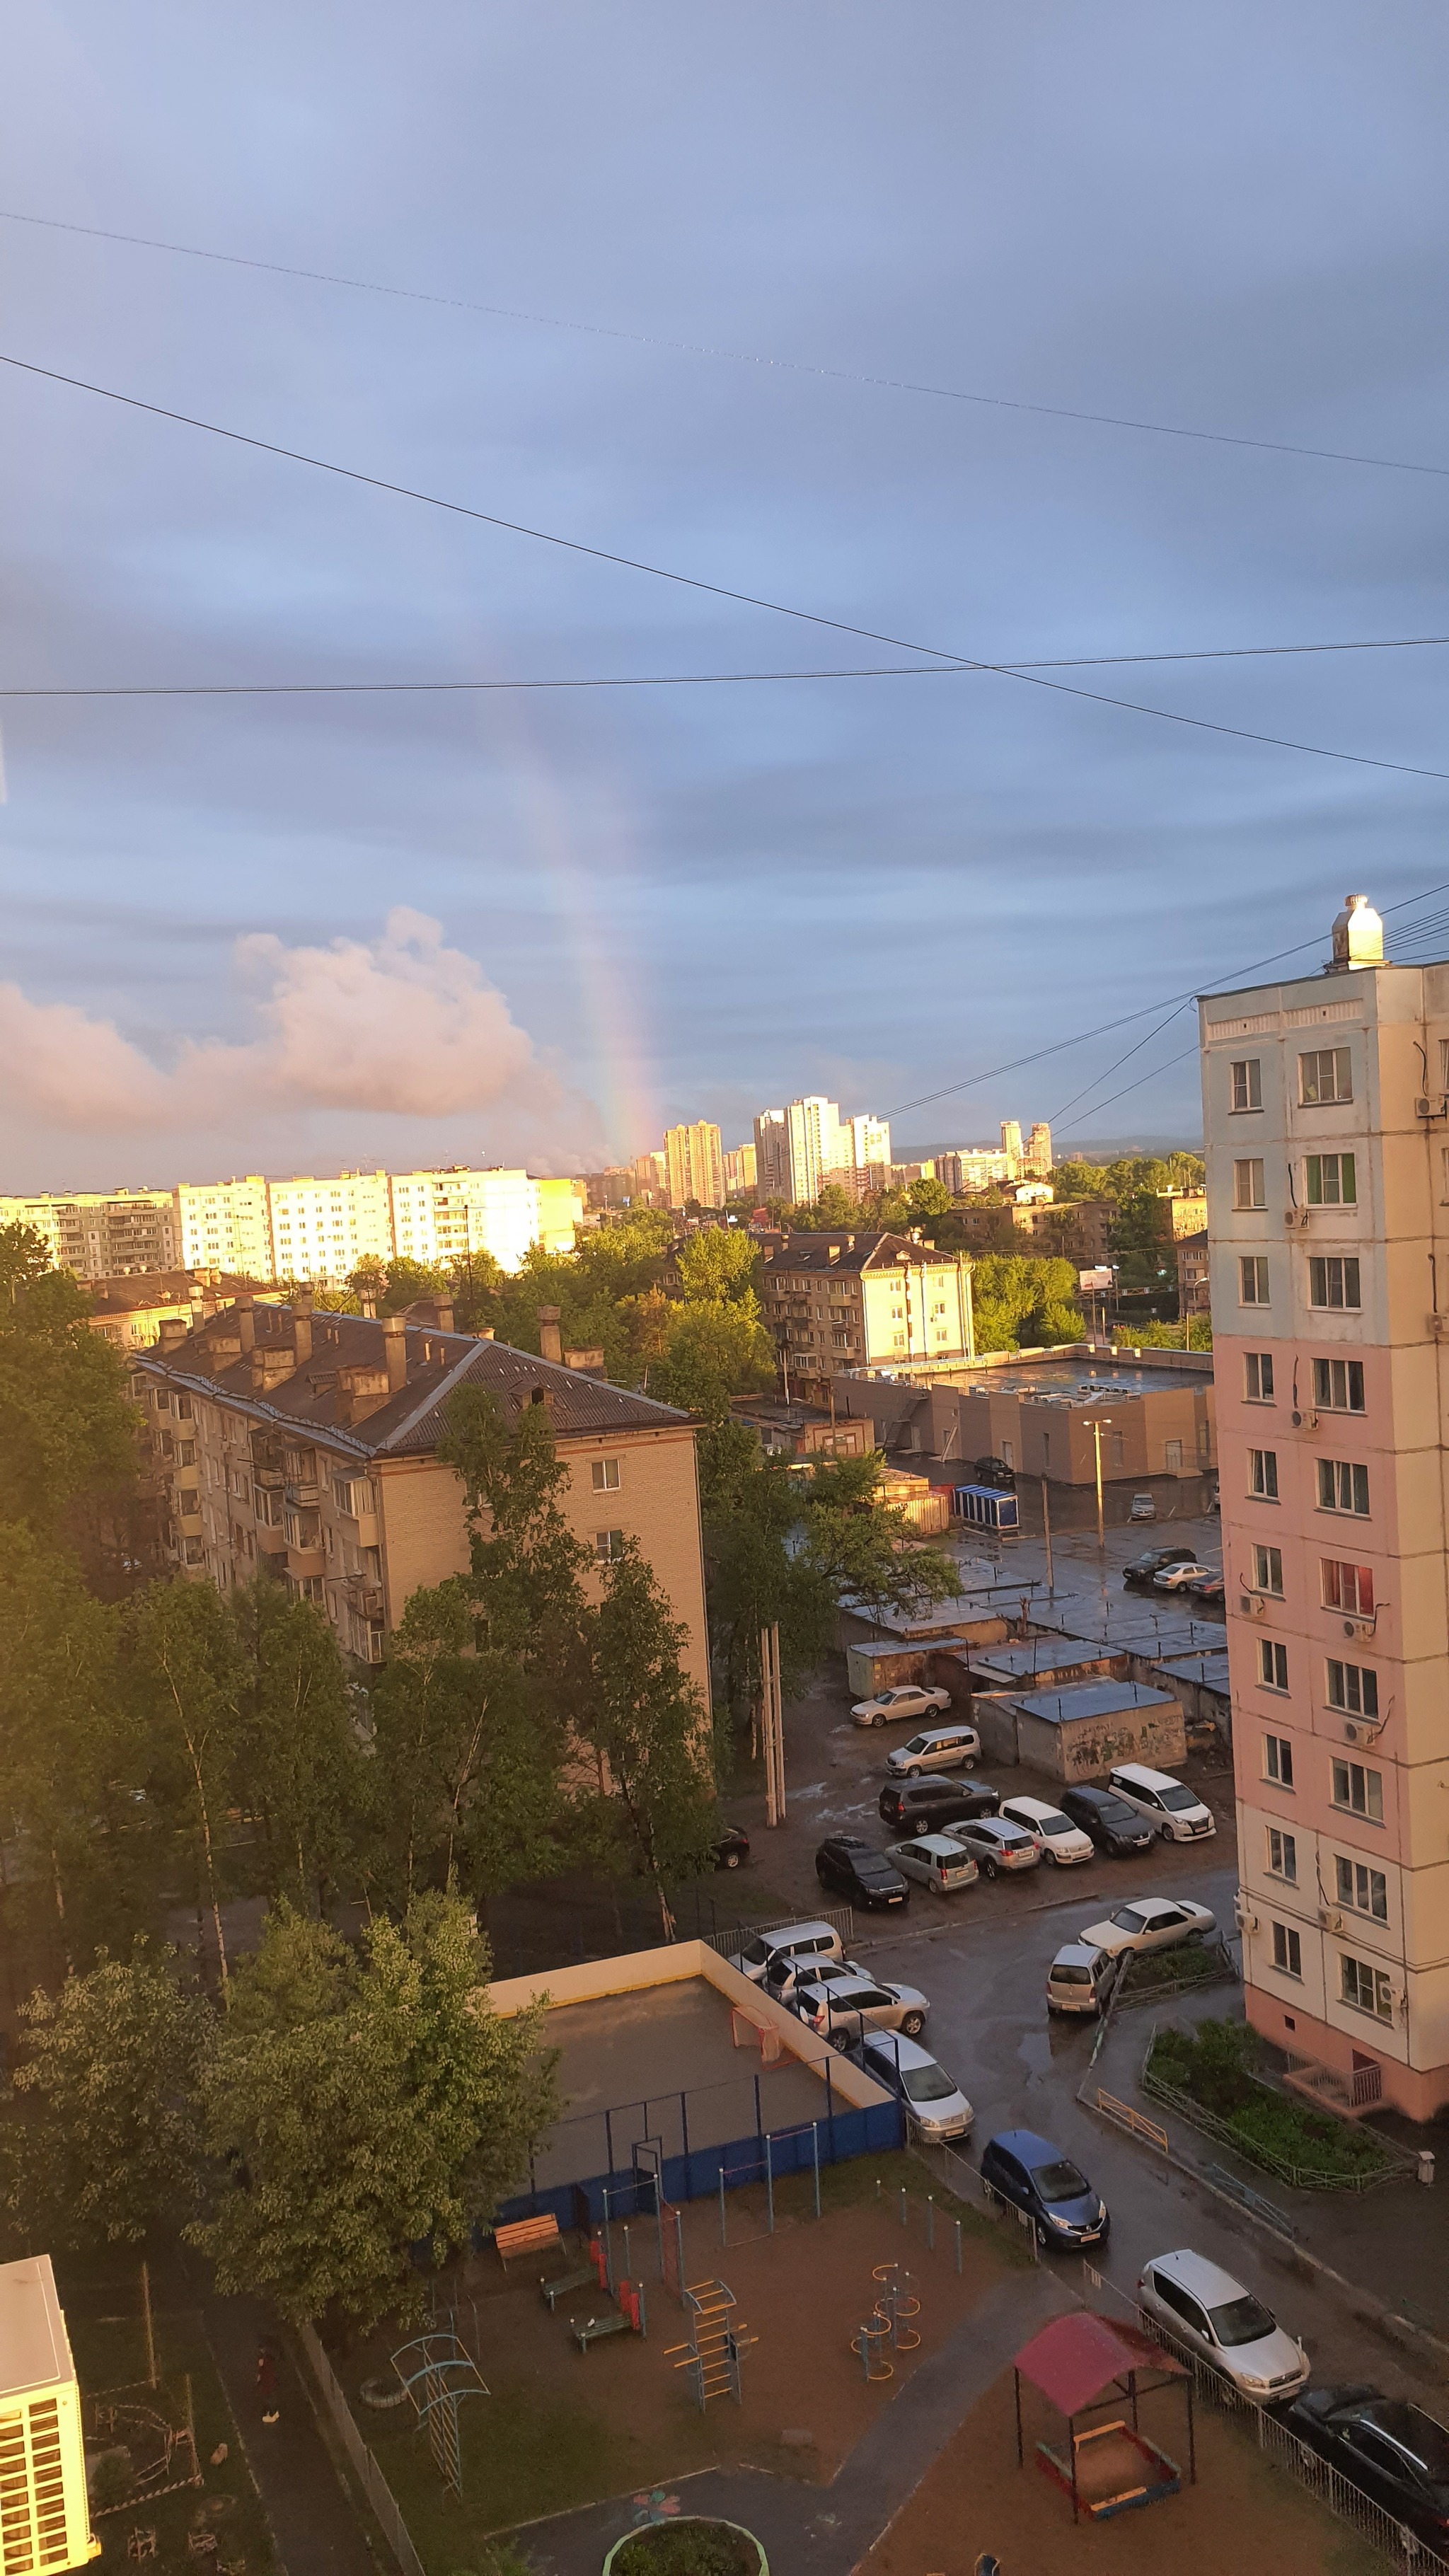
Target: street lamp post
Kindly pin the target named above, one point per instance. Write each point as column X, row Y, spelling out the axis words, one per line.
column 1098, row 1427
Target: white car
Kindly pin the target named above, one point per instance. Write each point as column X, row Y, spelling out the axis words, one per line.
column 937, row 2106
column 792, row 1940
column 1079, row 1979
column 937, row 1860
column 794, row 1969
column 935, row 1748
column 1173, row 1577
column 1213, row 2314
column 1056, row 1837
column 1173, row 1810
column 994, row 1844
column 1150, row 1923
column 908, row 1699
column 848, row 2006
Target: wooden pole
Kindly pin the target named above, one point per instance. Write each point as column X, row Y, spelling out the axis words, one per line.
column 1046, row 1522
column 150, row 2337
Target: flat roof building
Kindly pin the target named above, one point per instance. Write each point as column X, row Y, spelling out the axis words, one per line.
column 44, row 2512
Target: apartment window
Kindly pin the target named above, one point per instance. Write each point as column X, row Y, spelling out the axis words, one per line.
column 1366, row 1988
column 1333, row 1282
column 1263, row 1474
column 1247, row 1084
column 1282, row 1856
column 1248, row 1189
column 1258, row 1377
column 1287, row 1950
column 1365, row 1889
column 1272, row 1664
column 1253, row 1279
column 1342, row 1487
column 1268, row 1570
column 1359, row 1791
column 608, row 1546
column 1332, row 1180
column 1278, row 1760
column 1325, row 1076
column 606, row 1475
column 1338, row 1386
column 1349, row 1588
column 1354, row 1688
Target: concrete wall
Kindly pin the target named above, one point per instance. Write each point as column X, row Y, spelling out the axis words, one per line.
column 1087, row 1748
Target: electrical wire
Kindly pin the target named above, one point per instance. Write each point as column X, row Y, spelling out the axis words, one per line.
column 1106, row 1074
column 713, row 589
column 696, row 679
column 1113, row 1097
column 736, row 357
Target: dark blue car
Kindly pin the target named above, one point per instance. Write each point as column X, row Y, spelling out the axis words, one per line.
column 1035, row 2176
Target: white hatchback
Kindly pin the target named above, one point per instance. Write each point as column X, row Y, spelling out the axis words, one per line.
column 1214, row 2315
column 1056, row 1837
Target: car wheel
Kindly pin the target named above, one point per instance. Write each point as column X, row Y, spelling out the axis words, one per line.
column 878, row 1719
column 1166, row 1833
column 988, row 1869
column 913, row 2025
column 732, row 1859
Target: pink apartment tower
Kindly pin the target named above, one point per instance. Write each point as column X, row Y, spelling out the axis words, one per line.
column 1326, row 1117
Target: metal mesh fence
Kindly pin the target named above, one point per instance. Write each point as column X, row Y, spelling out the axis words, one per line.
column 374, row 2485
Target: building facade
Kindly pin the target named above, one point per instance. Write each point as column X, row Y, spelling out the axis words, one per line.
column 323, row 1227
column 740, row 1178
column 130, row 1312
column 101, row 1234
column 694, row 1165
column 44, row 2508
column 225, row 1225
column 835, row 1302
column 1326, row 1108
column 304, row 1445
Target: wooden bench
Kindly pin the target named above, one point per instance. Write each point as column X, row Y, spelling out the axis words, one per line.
column 526, row 2236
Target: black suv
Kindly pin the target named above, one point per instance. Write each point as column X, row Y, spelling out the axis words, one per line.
column 930, row 1803
column 1138, row 1572
column 850, row 1866
column 1113, row 1825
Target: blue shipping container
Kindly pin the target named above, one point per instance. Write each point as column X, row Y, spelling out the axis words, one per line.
column 987, row 1507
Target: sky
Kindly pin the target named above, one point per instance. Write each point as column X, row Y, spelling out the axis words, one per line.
column 264, row 933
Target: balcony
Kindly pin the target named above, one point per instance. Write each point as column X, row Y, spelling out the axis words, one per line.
column 271, row 1477
column 271, row 1541
column 302, row 1492
column 365, row 1596
column 1348, row 2096
column 304, row 1561
column 188, row 1522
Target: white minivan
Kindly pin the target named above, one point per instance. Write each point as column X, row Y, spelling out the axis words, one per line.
column 1079, row 1979
column 1175, row 1812
column 788, row 1941
column 1056, row 1837
column 935, row 1748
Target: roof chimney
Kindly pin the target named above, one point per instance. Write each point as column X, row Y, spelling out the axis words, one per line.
column 1358, row 937
column 443, row 1309
column 171, row 1330
column 484, row 1333
column 302, row 1326
column 395, row 1351
column 550, row 1340
column 246, row 1322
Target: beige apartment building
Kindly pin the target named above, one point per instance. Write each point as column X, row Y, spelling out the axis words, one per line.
column 739, row 1171
column 834, row 1302
column 305, row 1444
column 226, row 1225
column 99, row 1234
column 694, row 1164
column 442, row 1216
column 1078, row 1230
column 130, row 1312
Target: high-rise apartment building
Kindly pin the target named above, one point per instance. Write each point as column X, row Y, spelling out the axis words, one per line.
column 225, row 1225
column 1036, row 1161
column 101, row 1234
column 864, row 1152
column 694, row 1165
column 812, row 1127
column 772, row 1154
column 439, row 1217
column 739, row 1171
column 45, row 2519
column 1326, row 1115
column 322, row 1228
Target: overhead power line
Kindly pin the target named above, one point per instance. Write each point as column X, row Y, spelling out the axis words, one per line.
column 693, row 581
column 734, row 357
column 692, row 679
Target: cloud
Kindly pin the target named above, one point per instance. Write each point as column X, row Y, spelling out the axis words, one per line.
column 402, row 1024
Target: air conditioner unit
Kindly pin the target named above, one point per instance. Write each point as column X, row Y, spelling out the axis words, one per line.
column 1358, row 1627
column 1252, row 1605
column 1432, row 1108
column 1305, row 1422
column 1356, row 1734
column 1330, row 1918
column 1246, row 1920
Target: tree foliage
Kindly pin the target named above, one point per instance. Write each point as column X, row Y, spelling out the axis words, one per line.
column 67, row 1426
column 648, row 1728
column 1022, row 1304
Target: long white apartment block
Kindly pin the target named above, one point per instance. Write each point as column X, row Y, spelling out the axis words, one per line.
column 225, row 1225
column 44, row 2514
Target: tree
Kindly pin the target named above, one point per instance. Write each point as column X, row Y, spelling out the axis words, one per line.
column 713, row 1349
column 649, row 1730
column 719, row 1266
column 113, row 2063
column 1022, row 1303
column 297, row 1767
column 187, row 1680
column 863, row 1547
column 357, row 2105
column 755, row 1578
column 929, row 1197
column 67, row 1426
column 527, row 1565
column 391, row 1285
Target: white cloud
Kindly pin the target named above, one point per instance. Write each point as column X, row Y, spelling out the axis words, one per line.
column 401, row 1024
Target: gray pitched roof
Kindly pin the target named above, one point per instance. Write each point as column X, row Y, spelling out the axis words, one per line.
column 410, row 1423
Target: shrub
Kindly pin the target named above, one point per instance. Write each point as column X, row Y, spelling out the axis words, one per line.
column 1216, row 2065
column 686, row 2549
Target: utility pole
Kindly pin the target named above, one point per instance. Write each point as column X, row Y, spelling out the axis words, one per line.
column 772, row 1730
column 1046, row 1522
column 968, row 1302
column 1098, row 1427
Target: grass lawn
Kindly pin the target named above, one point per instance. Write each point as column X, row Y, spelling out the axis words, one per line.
column 1213, row 2070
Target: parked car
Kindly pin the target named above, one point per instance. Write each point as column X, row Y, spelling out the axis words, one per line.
column 1079, row 1979
column 995, row 1471
column 787, row 1972
column 936, row 1860
column 855, row 1869
column 1175, row 1812
column 788, row 1941
column 848, row 2006
column 934, row 2100
column 935, row 1748
column 1056, row 1837
column 1141, row 1569
column 1035, row 2176
column 1115, row 1827
column 1214, row 2315
column 995, row 1845
column 1174, row 1578
column 908, row 1699
column 1206, row 1587
column 732, row 1849
column 1390, row 2448
column 1142, row 1508
column 1151, row 1923
column 931, row 1804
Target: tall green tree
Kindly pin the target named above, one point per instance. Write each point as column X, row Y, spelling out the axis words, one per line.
column 1024, row 1304
column 862, row 1546
column 68, row 1429
column 527, row 1565
column 355, row 2105
column 297, row 1772
column 650, row 1733
column 187, row 1678
column 105, row 2143
column 719, row 1266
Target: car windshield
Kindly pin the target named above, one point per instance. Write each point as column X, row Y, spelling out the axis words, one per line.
column 1243, row 2320
column 866, row 1865
column 1061, row 2181
column 1419, row 2434
column 757, row 1953
column 927, row 2084
column 1127, row 1919
column 1055, row 1824
column 1179, row 1797
column 1115, row 1811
